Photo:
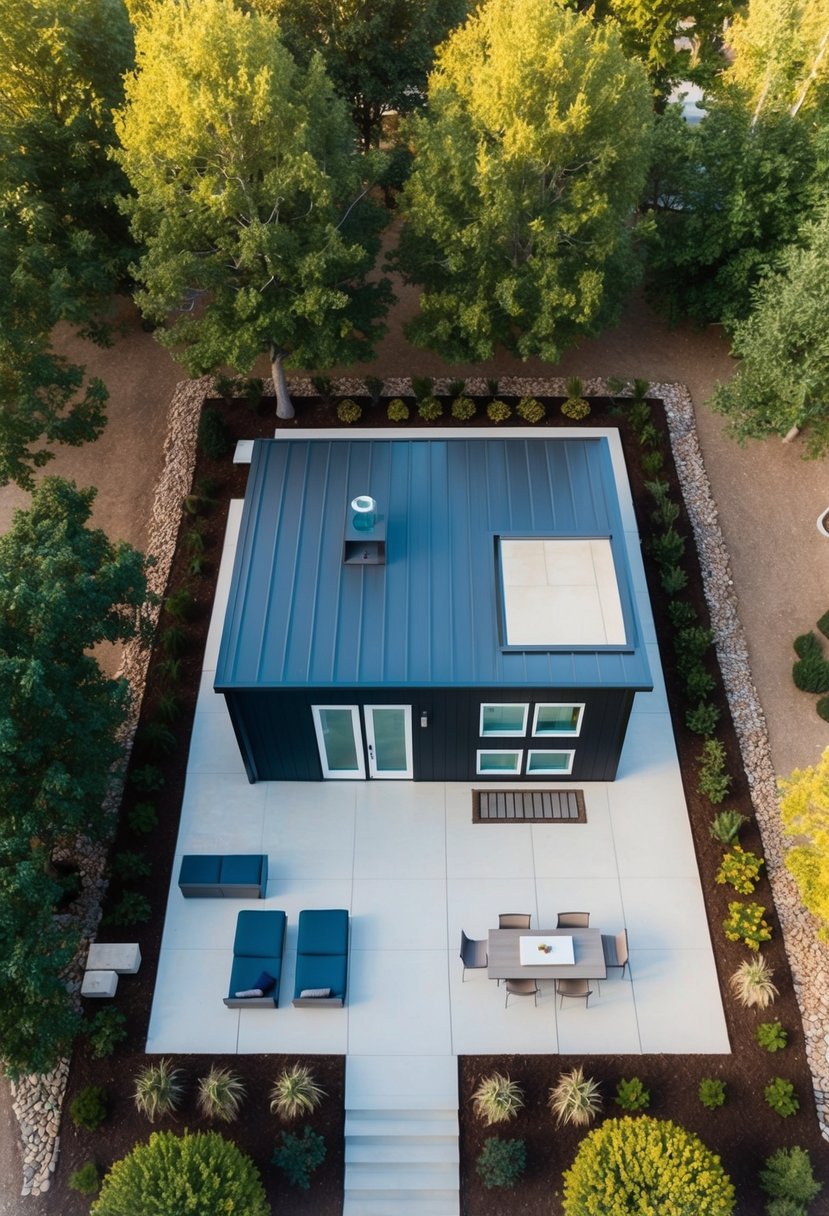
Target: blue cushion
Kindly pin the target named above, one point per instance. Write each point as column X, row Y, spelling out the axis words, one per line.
column 322, row 931
column 265, row 981
column 199, row 868
column 245, row 973
column 242, row 869
column 314, row 971
column 259, row 935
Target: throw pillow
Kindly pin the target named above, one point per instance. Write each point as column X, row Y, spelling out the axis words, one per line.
column 248, row 992
column 311, row 992
column 266, row 981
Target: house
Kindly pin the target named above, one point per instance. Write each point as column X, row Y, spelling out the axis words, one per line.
column 431, row 608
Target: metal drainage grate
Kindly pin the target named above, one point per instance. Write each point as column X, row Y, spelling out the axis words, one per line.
column 528, row 806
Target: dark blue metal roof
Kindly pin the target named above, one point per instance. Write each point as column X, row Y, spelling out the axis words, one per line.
column 297, row 616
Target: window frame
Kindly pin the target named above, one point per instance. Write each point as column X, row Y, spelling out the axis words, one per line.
column 518, row 752
column 558, row 734
column 503, row 734
column 550, row 772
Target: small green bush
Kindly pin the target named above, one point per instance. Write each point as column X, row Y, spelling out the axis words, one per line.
column 148, row 779
column 88, row 1109
column 667, row 548
column 713, row 781
column 349, row 411
column 652, row 463
column 214, row 437
column 822, row 708
column 374, row 388
column 575, row 408
column 168, row 707
column 703, row 720
column 220, row 1094
column 530, row 409
column 575, row 1098
column 632, row 1095
column 726, row 826
column 693, row 642
column 781, row 1097
column 194, row 539
column 85, row 1180
column 784, row 1207
column 498, row 411
column 430, row 409
column 682, row 613
column 455, row 388
column 295, row 1092
column 493, row 386
column 673, row 579
column 142, row 818
column 807, row 646
column 660, row 491
column 771, row 1036
column 159, row 1089
column 746, row 923
column 168, row 670
column 497, row 1099
column 463, row 409
column 129, row 864
column 640, row 389
column 324, row 388
column 132, row 908
column 741, row 870
column 640, row 415
column 158, row 738
column 107, row 1029
column 173, row 640
column 788, row 1174
column 397, row 410
column 752, row 983
column 254, row 390
column 699, row 683
column 712, row 1093
column 664, row 515
column 422, row 387
column 811, row 675
column 649, row 437
column 501, row 1162
column 179, row 604
column 823, row 624
column 298, row 1157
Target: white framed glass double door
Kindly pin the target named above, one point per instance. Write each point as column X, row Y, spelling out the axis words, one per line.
column 376, row 743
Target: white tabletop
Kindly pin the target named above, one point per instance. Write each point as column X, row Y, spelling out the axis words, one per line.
column 545, row 951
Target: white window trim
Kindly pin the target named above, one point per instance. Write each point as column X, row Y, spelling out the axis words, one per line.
column 558, row 734
column 504, row 734
column 499, row 751
column 357, row 774
column 559, row 772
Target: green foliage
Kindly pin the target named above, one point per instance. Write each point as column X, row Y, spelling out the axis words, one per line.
column 712, row 1093
column 422, row 387
column 575, row 408
column 179, row 604
column 493, row 386
column 159, row 1089
column 158, row 738
column 299, row 1156
column 573, row 386
column 632, row 1095
column 142, row 818
column 107, row 1029
column 681, row 613
column 753, row 983
column 324, row 388
column 575, row 1098
column 781, row 1097
column 505, row 82
column 497, row 1099
column 374, row 387
column 147, row 779
column 807, row 646
column 455, row 388
column 128, row 865
column 746, row 923
column 429, row 409
column 168, row 707
column 646, row 1164
column 740, row 869
column 804, row 812
column 214, row 437
column 703, row 719
column 89, row 1108
column 498, row 411
column 295, row 1092
column 349, row 411
column 712, row 780
column 201, row 1174
column 220, row 1094
column 501, row 1162
column 693, row 641
column 788, row 1174
column 530, row 409
column 822, row 707
column 660, row 491
column 173, row 641
column 771, row 1036
column 652, row 463
column 397, row 410
column 823, row 624
column 131, row 909
column 784, row 1207
column 665, row 515
column 699, row 683
column 85, row 1180
column 463, row 409
column 811, row 675
column 673, row 579
column 667, row 548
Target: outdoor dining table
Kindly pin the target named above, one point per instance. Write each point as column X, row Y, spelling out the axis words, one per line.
column 505, row 955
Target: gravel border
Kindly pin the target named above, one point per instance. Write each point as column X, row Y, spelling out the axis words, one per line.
column 37, row 1100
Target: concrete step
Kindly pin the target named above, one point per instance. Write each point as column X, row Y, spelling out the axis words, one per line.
column 394, row 1178
column 438, row 1204
column 400, row 1124
column 425, row 1080
column 385, row 1149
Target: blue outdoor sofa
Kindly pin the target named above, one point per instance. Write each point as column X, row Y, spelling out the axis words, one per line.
column 258, row 950
column 322, row 958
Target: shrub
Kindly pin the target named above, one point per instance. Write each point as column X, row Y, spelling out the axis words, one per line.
column 649, row 436
column 455, row 388
column 573, row 386
column 741, row 870
column 430, row 409
column 745, row 923
column 422, row 387
column 88, row 1109
column 173, row 640
column 132, row 909
column 295, row 1092
column 497, row 1099
column 220, row 1094
column 129, row 864
column 699, row 683
column 148, row 779
column 159, row 1089
column 324, row 388
column 498, row 411
column 713, row 781
column 667, row 548
column 142, row 818
column 822, row 708
column 652, row 463
column 659, row 491
column 159, row 1176
column 168, row 670
column 645, row 1164
column 673, row 579
column 298, row 1157
column 692, row 642
column 726, row 826
column 771, row 1036
column 225, row 386
column 752, row 983
column 85, row 1180
column 463, row 409
column 640, row 389
column 703, row 720
column 788, row 1174
column 640, row 415
column 811, row 675
column 823, row 624
column 784, row 1207
column 397, row 410
column 214, row 437
column 807, row 646
column 664, row 515
column 493, row 386
column 254, row 390
column 349, row 411
column 575, row 1099
column 168, row 707
column 374, row 388
column 158, row 738
column 179, row 604
column 681, row 613
column 501, row 1162
column 780, row 1096
column 107, row 1029
column 632, row 1095
column 712, row 1093
column 575, row 408
column 530, row 409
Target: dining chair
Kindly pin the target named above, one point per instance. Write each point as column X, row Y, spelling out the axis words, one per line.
column 522, row 988
column 615, row 949
column 473, row 954
column 573, row 920
column 574, row 988
column 514, row 920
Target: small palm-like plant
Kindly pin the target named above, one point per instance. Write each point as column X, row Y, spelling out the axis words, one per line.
column 497, row 1099
column 159, row 1089
column 220, row 1094
column 295, row 1092
column 575, row 1099
column 752, row 983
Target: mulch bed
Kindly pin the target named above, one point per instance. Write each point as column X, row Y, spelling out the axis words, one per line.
column 743, row 1132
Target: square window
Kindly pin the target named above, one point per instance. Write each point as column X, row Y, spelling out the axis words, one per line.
column 559, row 763
column 555, row 719
column 503, row 762
column 504, row 719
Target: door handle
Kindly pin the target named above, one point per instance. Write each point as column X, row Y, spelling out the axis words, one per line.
column 371, row 750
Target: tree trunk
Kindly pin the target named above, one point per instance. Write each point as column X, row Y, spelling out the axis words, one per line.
column 284, row 405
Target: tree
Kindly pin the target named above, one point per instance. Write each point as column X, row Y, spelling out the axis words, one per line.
column 248, row 198
column 378, row 53
column 528, row 162
column 782, row 380
column 202, row 1174
column 780, row 55
column 645, row 1164
column 804, row 811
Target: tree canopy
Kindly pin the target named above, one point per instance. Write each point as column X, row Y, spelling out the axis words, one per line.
column 248, row 197
column 804, row 811
column 529, row 160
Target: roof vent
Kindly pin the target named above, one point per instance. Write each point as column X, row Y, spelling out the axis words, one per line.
column 365, row 534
